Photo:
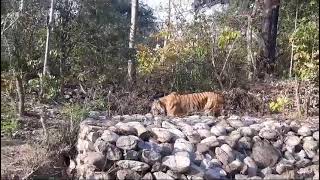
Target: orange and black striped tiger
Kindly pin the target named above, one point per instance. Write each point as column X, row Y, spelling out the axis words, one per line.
column 176, row 104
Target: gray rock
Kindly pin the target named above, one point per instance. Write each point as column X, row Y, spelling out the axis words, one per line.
column 157, row 166
column 126, row 174
column 98, row 175
column 113, row 153
column 147, row 176
column 288, row 155
column 303, row 163
column 247, row 131
column 177, row 163
column 206, row 164
column 252, row 167
column 215, row 173
column 245, row 143
column 315, row 135
column 300, row 155
column 149, row 146
column 310, row 145
column 127, row 142
column 93, row 136
column 197, row 158
column 168, row 125
column 109, row 136
column 160, row 176
column 133, row 165
column 183, row 145
column 236, row 123
column 176, row 175
column 95, row 158
column 307, row 172
column 224, row 154
column 256, row 127
column 194, row 137
column 182, row 153
column 162, row 135
column 150, row 157
column 196, row 171
column 278, row 144
column 177, row 133
column 210, row 141
column 310, row 148
column 264, row 154
column 292, row 141
column 125, row 129
column 204, row 133
column 131, row 155
column 268, row 133
column 284, row 165
column 241, row 177
column 218, row 130
column 266, row 171
column 304, row 131
column 199, row 126
column 234, row 167
column 166, row 149
column 201, row 148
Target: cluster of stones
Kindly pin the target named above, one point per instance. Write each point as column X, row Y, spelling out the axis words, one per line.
column 195, row 147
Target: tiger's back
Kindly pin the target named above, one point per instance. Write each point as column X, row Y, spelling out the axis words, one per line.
column 182, row 104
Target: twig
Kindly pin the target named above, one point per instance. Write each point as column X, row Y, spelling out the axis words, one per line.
column 225, row 62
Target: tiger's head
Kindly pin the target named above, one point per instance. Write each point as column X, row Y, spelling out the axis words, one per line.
column 158, row 108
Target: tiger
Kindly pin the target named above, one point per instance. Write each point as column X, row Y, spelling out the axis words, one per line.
column 175, row 104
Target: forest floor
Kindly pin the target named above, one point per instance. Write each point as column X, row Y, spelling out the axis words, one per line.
column 24, row 155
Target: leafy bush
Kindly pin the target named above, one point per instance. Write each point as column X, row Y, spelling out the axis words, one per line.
column 279, row 104
column 306, row 40
column 9, row 120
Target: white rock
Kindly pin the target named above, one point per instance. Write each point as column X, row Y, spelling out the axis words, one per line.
column 133, row 165
column 211, row 141
column 218, row 131
column 199, row 126
column 252, row 167
column 183, row 145
column 268, row 133
column 177, row 163
column 304, row 131
column 224, row 154
column 246, row 131
column 127, row 142
column 109, row 136
column 316, row 135
column 292, row 140
column 163, row 135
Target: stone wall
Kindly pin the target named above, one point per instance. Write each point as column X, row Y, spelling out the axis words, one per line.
column 196, row 147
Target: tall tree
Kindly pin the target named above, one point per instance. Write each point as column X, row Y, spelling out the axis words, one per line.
column 45, row 62
column 131, row 61
column 269, row 32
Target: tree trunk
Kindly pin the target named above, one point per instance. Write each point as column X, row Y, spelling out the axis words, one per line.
column 131, row 61
column 250, row 59
column 45, row 62
column 292, row 45
column 20, row 91
column 269, row 32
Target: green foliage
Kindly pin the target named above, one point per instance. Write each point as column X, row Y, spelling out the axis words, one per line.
column 227, row 37
column 306, row 40
column 9, row 119
column 279, row 105
column 75, row 112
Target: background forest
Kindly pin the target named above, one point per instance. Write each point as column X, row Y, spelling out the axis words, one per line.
column 61, row 59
